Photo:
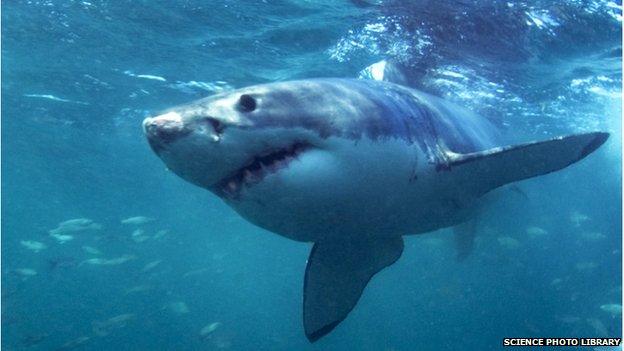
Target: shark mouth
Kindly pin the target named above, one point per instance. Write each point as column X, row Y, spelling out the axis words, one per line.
column 258, row 168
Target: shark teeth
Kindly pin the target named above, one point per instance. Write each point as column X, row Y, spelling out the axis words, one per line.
column 258, row 168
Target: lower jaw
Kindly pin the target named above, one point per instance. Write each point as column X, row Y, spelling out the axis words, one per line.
column 233, row 195
column 232, row 187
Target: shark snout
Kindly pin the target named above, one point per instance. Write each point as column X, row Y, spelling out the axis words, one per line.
column 164, row 129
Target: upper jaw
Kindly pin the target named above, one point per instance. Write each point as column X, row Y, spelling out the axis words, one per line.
column 257, row 168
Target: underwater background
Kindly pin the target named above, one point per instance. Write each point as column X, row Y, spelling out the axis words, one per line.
column 184, row 272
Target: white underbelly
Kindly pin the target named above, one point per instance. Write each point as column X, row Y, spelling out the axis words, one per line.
column 369, row 188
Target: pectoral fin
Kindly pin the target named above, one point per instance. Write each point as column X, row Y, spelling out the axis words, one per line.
column 336, row 274
column 502, row 165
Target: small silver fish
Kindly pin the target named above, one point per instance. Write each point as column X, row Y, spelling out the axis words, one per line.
column 119, row 321
column 72, row 344
column 91, row 250
column 33, row 245
column 109, row 262
column 179, row 307
column 209, row 329
column 25, row 272
column 151, row 265
column 615, row 309
column 138, row 220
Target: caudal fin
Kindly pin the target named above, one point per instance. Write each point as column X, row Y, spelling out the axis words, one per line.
column 499, row 166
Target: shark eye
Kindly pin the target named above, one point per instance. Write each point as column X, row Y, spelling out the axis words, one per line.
column 246, row 103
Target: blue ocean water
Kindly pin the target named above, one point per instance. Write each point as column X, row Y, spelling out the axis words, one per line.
column 79, row 76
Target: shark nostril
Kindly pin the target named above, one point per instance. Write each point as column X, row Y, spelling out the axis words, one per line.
column 209, row 127
column 218, row 126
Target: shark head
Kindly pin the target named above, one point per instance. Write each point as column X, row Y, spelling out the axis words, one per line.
column 282, row 145
column 230, row 143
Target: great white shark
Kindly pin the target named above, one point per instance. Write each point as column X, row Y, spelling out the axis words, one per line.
column 351, row 165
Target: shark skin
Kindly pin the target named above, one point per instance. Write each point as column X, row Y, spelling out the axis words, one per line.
column 350, row 165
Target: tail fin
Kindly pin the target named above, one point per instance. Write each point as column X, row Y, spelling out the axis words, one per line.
column 499, row 166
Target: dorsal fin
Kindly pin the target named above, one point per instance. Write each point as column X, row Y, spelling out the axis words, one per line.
column 385, row 70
